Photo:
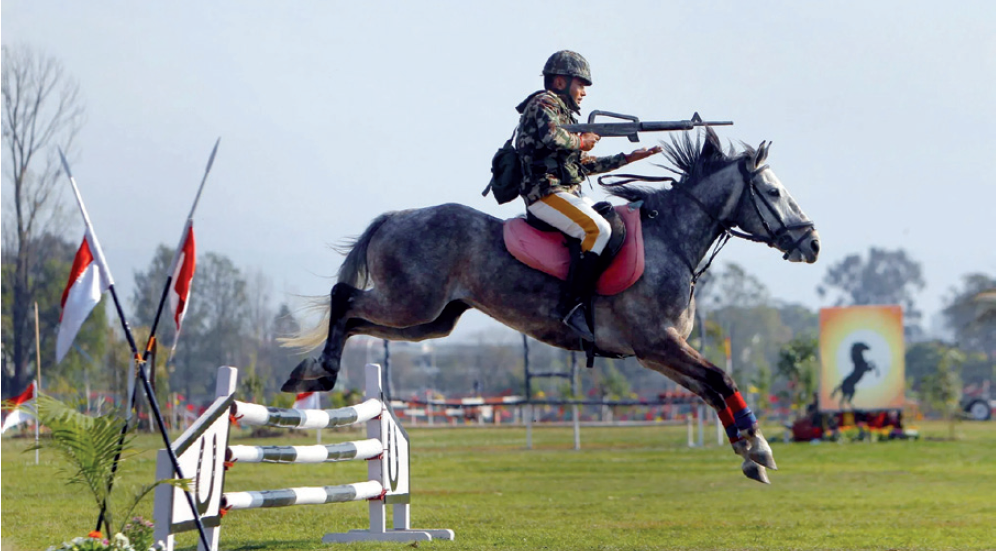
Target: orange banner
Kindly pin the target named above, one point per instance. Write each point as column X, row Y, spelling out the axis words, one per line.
column 862, row 359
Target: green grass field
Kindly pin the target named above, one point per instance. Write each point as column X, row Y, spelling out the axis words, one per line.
column 628, row 488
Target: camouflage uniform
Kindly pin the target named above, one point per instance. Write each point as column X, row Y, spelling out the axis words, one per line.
column 551, row 156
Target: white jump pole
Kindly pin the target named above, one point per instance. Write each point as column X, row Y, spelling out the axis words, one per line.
column 700, row 425
column 529, row 421
column 575, row 427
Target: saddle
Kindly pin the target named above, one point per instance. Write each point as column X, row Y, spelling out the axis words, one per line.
column 544, row 248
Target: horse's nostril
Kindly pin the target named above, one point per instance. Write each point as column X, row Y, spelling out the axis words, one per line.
column 815, row 246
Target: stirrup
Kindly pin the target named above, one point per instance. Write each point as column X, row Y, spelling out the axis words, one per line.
column 576, row 321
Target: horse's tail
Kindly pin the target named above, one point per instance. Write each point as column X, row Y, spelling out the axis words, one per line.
column 353, row 272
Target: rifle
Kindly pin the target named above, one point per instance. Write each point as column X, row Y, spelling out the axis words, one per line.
column 631, row 129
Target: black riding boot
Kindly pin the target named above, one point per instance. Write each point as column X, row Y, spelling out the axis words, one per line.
column 577, row 294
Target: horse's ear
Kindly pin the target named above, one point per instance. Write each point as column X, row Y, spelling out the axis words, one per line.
column 762, row 153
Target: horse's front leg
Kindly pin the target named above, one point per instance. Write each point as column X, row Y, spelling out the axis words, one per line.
column 675, row 358
column 320, row 374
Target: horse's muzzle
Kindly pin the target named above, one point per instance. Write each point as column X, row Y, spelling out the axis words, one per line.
column 802, row 247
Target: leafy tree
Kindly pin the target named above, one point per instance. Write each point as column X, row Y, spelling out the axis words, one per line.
column 763, row 383
column 147, row 293
column 732, row 286
column 215, row 324
column 922, row 360
column 884, row 277
column 41, row 108
column 797, row 318
column 798, row 365
column 737, row 302
column 215, row 330
column 49, row 272
column 970, row 314
column 942, row 388
column 614, row 385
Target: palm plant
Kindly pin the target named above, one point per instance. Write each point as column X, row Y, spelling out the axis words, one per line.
column 89, row 444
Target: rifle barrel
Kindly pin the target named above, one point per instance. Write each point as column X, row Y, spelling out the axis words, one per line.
column 632, row 128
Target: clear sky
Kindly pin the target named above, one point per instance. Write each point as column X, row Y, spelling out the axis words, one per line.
column 882, row 117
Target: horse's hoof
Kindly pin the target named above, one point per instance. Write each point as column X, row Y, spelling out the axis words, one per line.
column 310, row 376
column 755, row 471
column 761, row 453
column 741, row 447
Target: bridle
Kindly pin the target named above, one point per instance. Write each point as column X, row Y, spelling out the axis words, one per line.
column 773, row 238
column 750, row 181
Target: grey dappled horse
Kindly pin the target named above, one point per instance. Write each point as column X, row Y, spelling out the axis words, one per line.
column 412, row 274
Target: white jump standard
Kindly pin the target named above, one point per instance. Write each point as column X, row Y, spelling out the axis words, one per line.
column 386, row 450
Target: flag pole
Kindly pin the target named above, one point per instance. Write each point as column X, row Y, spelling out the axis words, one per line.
column 183, row 236
column 159, row 310
column 98, row 254
column 38, row 377
column 155, row 324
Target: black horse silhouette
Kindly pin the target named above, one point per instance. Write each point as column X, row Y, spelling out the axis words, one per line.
column 859, row 368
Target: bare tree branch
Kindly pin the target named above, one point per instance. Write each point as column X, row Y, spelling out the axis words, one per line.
column 41, row 108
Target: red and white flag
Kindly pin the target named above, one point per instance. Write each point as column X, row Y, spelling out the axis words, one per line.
column 88, row 279
column 24, row 409
column 183, row 274
column 307, row 400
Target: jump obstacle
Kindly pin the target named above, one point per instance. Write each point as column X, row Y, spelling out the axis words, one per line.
column 386, row 450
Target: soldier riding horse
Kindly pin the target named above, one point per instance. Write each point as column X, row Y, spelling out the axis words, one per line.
column 412, row 274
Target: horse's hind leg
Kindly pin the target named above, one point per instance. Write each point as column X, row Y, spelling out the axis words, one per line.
column 320, row 374
column 400, row 316
column 677, row 359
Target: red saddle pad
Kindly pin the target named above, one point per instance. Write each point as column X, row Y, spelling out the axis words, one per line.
column 547, row 251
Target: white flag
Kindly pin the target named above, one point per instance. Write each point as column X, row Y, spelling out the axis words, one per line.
column 87, row 282
column 24, row 409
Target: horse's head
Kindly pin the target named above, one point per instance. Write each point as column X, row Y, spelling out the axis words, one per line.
column 763, row 208
column 731, row 190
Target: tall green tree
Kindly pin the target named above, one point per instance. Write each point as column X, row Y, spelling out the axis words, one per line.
column 970, row 314
column 740, row 304
column 215, row 326
column 41, row 108
column 881, row 277
column 798, row 365
column 147, row 293
column 942, row 387
column 731, row 286
column 49, row 273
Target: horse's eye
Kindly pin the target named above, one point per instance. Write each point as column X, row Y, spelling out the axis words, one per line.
column 775, row 193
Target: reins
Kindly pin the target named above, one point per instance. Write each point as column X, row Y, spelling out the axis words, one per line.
column 727, row 227
column 719, row 243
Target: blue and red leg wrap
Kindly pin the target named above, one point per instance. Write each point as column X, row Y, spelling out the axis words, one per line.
column 728, row 422
column 743, row 417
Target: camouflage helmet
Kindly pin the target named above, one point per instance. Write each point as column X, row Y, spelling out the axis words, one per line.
column 568, row 63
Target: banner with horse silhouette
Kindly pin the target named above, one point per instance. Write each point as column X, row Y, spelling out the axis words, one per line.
column 862, row 359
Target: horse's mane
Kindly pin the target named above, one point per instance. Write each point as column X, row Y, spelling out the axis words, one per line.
column 693, row 159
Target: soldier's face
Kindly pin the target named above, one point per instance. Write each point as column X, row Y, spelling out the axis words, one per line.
column 577, row 90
